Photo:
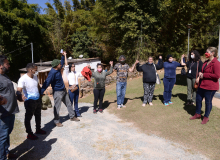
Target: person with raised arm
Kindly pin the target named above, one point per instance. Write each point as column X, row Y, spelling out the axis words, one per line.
column 59, row 91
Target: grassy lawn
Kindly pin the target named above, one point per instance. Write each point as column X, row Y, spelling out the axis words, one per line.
column 170, row 122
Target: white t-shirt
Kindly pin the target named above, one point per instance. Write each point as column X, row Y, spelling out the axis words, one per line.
column 30, row 87
column 72, row 76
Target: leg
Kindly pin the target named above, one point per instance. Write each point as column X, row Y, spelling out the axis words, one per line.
column 151, row 92
column 37, row 114
column 123, row 91
column 30, row 109
column 96, row 97
column 146, row 86
column 76, row 98
column 199, row 98
column 6, row 127
column 58, row 96
column 71, row 96
column 172, row 82
column 194, row 91
column 66, row 101
column 118, row 91
column 208, row 101
column 189, row 89
column 166, row 84
column 101, row 96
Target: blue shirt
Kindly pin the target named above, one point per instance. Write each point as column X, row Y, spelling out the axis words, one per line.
column 55, row 79
column 170, row 69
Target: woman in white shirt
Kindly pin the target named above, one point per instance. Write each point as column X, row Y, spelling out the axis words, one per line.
column 72, row 77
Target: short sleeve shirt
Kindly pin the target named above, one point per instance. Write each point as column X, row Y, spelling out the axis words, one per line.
column 30, row 87
column 122, row 72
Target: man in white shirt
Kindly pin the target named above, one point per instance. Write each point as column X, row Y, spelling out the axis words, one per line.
column 72, row 77
column 32, row 100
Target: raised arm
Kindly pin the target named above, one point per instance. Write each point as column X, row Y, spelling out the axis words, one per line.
column 62, row 60
column 138, row 67
column 183, row 63
column 111, row 68
column 132, row 69
column 159, row 65
column 66, row 67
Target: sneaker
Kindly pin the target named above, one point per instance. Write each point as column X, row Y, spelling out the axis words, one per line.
column 166, row 104
column 31, row 136
column 151, row 104
column 143, row 105
column 101, row 110
column 205, row 120
column 170, row 102
column 123, row 106
column 40, row 131
column 59, row 124
column 196, row 116
column 94, row 111
column 75, row 119
column 119, row 107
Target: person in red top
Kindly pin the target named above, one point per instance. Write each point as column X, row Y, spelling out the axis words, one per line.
column 208, row 80
column 86, row 72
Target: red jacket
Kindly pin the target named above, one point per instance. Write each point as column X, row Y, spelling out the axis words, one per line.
column 211, row 75
column 87, row 73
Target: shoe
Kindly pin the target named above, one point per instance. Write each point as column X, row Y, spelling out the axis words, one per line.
column 123, row 106
column 205, row 120
column 11, row 156
column 170, row 102
column 196, row 116
column 119, row 107
column 79, row 115
column 94, row 111
column 151, row 104
column 75, row 119
column 40, row 131
column 59, row 124
column 166, row 104
column 31, row 136
column 143, row 105
column 101, row 110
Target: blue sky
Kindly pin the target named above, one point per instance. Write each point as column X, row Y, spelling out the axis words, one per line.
column 42, row 3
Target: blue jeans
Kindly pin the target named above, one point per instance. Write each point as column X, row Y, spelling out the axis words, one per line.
column 75, row 97
column 208, row 94
column 6, row 127
column 121, row 90
column 168, row 86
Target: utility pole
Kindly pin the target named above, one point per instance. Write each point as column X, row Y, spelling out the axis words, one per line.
column 32, row 51
column 141, row 36
column 189, row 26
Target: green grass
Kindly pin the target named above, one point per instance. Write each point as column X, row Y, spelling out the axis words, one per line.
column 170, row 122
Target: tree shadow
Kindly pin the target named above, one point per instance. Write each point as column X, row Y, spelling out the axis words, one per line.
column 38, row 149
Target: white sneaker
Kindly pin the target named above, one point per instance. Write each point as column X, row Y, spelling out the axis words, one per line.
column 119, row 107
column 143, row 105
column 151, row 104
column 123, row 106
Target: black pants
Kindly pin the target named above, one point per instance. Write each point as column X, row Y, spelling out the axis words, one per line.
column 33, row 107
column 98, row 95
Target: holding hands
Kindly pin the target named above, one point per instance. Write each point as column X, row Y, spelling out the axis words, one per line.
column 201, row 75
column 137, row 61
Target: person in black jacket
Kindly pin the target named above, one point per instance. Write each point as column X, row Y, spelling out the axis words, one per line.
column 194, row 61
column 149, row 78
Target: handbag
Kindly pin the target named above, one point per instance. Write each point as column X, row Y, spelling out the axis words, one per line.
column 196, row 85
column 74, row 87
column 157, row 76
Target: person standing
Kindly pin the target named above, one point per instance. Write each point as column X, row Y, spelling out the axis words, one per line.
column 59, row 91
column 32, row 101
column 169, row 78
column 99, row 85
column 149, row 78
column 8, row 109
column 208, row 82
column 72, row 77
column 193, row 65
column 122, row 69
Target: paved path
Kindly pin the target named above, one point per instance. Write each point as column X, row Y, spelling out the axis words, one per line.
column 96, row 137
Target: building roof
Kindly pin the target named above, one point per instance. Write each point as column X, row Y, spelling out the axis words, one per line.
column 46, row 66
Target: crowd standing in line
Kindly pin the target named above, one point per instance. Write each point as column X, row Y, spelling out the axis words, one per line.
column 205, row 76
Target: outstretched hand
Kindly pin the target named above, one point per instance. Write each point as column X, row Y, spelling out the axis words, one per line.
column 64, row 53
column 137, row 61
column 111, row 63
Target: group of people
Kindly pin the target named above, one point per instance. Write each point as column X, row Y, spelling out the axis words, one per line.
column 204, row 75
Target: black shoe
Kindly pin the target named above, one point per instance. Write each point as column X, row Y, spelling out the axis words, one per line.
column 94, row 111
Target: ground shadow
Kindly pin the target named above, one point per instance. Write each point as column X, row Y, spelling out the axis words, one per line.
column 83, row 109
column 38, row 149
column 106, row 104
